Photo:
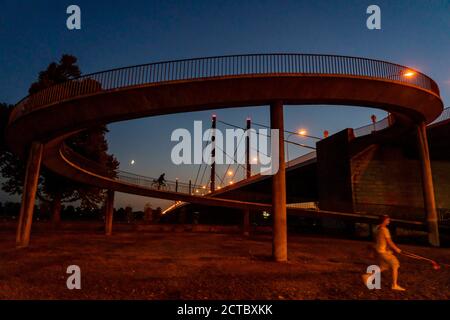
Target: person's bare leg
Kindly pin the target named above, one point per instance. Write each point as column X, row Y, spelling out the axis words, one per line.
column 395, row 285
column 394, row 276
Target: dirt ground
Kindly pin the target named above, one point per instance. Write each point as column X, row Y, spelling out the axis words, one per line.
column 205, row 266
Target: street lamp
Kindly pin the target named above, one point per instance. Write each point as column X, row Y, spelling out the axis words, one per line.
column 408, row 73
column 374, row 122
column 302, row 133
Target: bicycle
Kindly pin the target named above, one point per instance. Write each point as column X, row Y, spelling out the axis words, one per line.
column 159, row 185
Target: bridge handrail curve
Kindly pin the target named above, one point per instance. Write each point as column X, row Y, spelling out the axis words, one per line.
column 223, row 66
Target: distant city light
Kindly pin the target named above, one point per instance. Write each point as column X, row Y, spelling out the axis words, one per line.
column 132, row 162
column 231, row 182
column 229, row 172
column 302, row 132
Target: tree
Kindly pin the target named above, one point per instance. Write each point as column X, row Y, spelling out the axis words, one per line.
column 90, row 143
column 55, row 73
column 11, row 168
column 5, row 110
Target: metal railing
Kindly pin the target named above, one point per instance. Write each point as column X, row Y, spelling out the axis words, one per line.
column 374, row 127
column 304, row 205
column 223, row 66
column 168, row 185
column 389, row 120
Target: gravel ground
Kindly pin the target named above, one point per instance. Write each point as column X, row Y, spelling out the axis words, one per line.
column 205, row 266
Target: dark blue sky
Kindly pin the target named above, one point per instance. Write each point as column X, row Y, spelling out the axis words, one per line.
column 121, row 33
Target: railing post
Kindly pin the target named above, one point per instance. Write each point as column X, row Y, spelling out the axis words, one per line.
column 176, row 185
column 247, row 149
column 213, row 154
column 190, row 187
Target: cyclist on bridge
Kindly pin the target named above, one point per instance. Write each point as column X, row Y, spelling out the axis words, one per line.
column 161, row 180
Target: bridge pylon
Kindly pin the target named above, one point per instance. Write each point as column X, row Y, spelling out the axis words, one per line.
column 248, row 174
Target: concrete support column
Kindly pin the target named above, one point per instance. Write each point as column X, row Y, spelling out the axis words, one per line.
column 246, row 222
column 279, row 246
column 29, row 194
column 427, row 186
column 109, row 211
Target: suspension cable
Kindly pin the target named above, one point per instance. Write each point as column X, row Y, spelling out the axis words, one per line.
column 235, row 151
column 287, row 131
column 201, row 164
column 268, row 136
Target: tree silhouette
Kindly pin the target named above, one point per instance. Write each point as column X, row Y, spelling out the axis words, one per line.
column 55, row 73
column 90, row 143
column 5, row 110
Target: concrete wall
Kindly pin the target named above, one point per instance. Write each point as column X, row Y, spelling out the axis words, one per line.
column 378, row 176
column 334, row 172
column 385, row 180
